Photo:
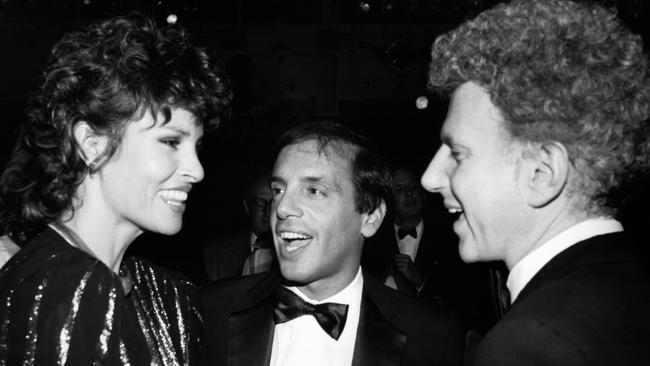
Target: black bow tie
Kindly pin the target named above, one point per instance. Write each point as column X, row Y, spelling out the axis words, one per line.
column 401, row 233
column 330, row 316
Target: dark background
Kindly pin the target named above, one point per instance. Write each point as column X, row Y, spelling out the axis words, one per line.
column 362, row 63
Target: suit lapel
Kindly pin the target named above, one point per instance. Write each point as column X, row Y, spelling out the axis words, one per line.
column 250, row 338
column 378, row 342
column 599, row 249
column 250, row 331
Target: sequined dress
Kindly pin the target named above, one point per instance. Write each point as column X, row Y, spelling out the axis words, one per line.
column 60, row 306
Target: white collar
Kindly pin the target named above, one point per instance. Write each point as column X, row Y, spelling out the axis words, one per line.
column 349, row 295
column 418, row 228
column 522, row 272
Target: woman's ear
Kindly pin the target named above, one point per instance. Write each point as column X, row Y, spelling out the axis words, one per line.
column 92, row 146
column 372, row 221
column 550, row 173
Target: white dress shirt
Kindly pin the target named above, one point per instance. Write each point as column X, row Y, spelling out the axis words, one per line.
column 522, row 272
column 302, row 341
column 407, row 245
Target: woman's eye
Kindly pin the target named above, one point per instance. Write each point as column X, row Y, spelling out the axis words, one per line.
column 172, row 142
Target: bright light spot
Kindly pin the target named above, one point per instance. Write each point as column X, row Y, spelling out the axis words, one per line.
column 422, row 102
column 365, row 6
column 172, row 19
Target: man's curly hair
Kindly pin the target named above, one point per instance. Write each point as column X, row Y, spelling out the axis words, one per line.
column 107, row 76
column 559, row 71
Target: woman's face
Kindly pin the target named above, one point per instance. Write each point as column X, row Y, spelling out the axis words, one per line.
column 146, row 182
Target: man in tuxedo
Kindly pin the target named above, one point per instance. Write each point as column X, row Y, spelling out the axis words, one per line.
column 415, row 251
column 329, row 193
column 250, row 250
column 407, row 253
column 545, row 129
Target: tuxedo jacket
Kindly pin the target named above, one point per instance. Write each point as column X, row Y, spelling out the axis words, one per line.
column 393, row 329
column 590, row 305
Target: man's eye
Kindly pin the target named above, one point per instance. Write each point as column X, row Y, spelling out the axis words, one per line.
column 276, row 191
column 316, row 192
column 457, row 155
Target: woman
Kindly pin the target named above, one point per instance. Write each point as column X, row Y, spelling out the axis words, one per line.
column 108, row 151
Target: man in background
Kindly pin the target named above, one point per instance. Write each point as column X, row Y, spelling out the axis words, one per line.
column 415, row 251
column 250, row 250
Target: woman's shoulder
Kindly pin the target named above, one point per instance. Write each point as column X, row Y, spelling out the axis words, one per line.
column 50, row 265
column 151, row 278
column 145, row 270
column 59, row 295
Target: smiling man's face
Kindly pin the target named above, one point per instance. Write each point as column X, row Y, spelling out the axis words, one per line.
column 476, row 172
column 317, row 230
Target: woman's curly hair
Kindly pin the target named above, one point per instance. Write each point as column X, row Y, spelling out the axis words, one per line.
column 559, row 71
column 107, row 76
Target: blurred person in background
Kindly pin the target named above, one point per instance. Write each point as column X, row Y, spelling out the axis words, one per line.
column 249, row 250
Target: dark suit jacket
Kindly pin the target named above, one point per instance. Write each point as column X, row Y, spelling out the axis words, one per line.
column 590, row 305
column 393, row 329
column 224, row 256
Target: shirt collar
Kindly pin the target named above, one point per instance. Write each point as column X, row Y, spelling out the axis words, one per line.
column 350, row 295
column 522, row 272
column 418, row 228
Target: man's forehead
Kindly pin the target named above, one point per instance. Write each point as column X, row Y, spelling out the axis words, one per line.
column 334, row 151
column 470, row 109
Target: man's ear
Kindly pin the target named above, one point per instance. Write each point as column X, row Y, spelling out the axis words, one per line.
column 372, row 221
column 91, row 144
column 549, row 173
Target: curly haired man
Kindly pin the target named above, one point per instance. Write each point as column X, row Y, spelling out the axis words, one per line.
column 547, row 124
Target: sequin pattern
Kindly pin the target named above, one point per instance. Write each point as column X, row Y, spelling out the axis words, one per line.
column 50, row 288
column 108, row 325
column 32, row 335
column 64, row 338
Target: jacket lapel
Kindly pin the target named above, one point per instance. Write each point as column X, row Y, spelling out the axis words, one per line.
column 610, row 248
column 250, row 337
column 250, row 331
column 378, row 342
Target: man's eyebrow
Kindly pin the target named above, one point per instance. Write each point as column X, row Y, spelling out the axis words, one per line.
column 313, row 179
column 275, row 179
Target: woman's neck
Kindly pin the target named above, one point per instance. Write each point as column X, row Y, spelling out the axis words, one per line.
column 99, row 235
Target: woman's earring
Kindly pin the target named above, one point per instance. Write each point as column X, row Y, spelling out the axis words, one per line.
column 93, row 167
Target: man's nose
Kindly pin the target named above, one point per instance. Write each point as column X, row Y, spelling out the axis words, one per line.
column 435, row 178
column 286, row 206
